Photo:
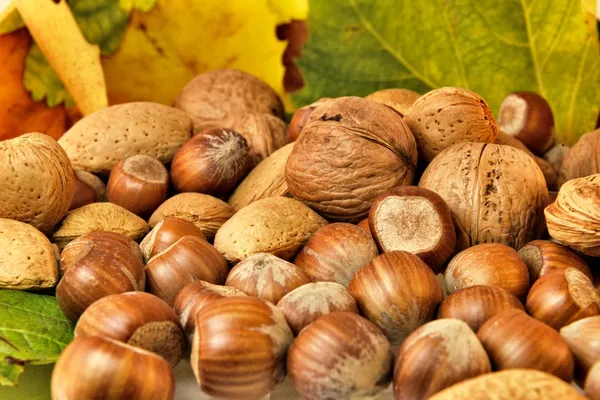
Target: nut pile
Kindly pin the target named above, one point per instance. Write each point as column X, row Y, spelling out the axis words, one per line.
column 397, row 239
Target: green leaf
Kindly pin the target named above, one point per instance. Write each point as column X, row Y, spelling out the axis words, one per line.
column 11, row 22
column 34, row 384
column 41, row 80
column 491, row 47
column 33, row 330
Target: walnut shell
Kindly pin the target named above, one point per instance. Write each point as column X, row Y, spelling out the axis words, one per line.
column 275, row 225
column 267, row 179
column 211, row 98
column 447, row 116
column 496, row 193
column 263, row 132
column 27, row 259
column 206, row 212
column 574, row 218
column 399, row 100
column 37, row 181
column 95, row 217
column 349, row 152
column 102, row 139
column 583, row 159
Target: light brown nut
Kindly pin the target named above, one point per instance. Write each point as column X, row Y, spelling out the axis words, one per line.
column 99, row 141
column 399, row 100
column 583, row 159
column 27, row 260
column 275, row 225
column 211, row 98
column 267, row 179
column 37, row 181
column 206, row 212
column 99, row 217
column 496, row 193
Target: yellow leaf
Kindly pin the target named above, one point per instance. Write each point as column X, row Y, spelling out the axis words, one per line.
column 165, row 48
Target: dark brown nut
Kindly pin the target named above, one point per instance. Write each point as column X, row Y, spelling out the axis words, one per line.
column 397, row 292
column 211, row 162
column 583, row 337
column 513, row 339
column 476, row 304
column 331, row 167
column 139, row 184
column 491, row 264
column 544, row 256
column 165, row 233
column 416, row 220
column 483, row 194
column 446, row 116
column 300, row 118
column 399, row 100
column 527, row 116
column 562, row 297
column 340, row 356
column 138, row 319
column 335, row 252
column 88, row 189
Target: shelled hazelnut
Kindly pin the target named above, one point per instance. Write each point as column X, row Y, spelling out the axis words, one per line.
column 583, row 337
column 544, row 256
column 335, row 252
column 138, row 319
column 340, row 356
column 446, row 342
column 398, row 292
column 415, row 220
column 139, row 184
column 266, row 276
column 88, row 188
column 513, row 339
column 165, row 233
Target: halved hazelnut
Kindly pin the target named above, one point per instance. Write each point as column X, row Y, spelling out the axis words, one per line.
column 544, row 256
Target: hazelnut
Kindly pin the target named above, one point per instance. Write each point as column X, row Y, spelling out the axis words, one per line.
column 194, row 297
column 139, row 184
column 335, row 252
column 212, row 97
column 364, row 225
column 574, row 218
column 416, row 220
column 592, row 383
column 447, row 116
column 138, row 319
column 399, row 100
column 544, row 256
column 212, row 162
column 490, row 264
column 398, row 292
column 513, row 339
column 305, row 304
column 266, row 276
column 189, row 259
column 95, row 267
column 98, row 368
column 556, row 155
column 300, row 118
column 583, row 337
column 583, row 159
column 476, row 304
column 528, row 117
column 88, row 188
column 562, row 297
column 165, row 233
column 239, row 348
column 446, row 342
column 331, row 166
column 340, row 356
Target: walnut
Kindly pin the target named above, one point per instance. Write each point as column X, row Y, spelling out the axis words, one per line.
column 350, row 150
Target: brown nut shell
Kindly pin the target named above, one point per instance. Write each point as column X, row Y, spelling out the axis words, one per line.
column 399, row 100
column 592, row 383
column 491, row 264
column 88, row 188
column 583, row 337
column 496, row 193
column 476, row 304
column 445, row 342
column 544, row 256
column 239, row 348
column 189, row 259
column 447, row 116
column 398, row 292
column 139, row 184
column 138, row 319
column 331, row 168
column 119, row 371
column 583, row 159
column 357, row 362
column 37, row 181
column 562, row 297
column 335, row 252
column 165, row 233
column 301, row 117
column 413, row 219
column 513, row 339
